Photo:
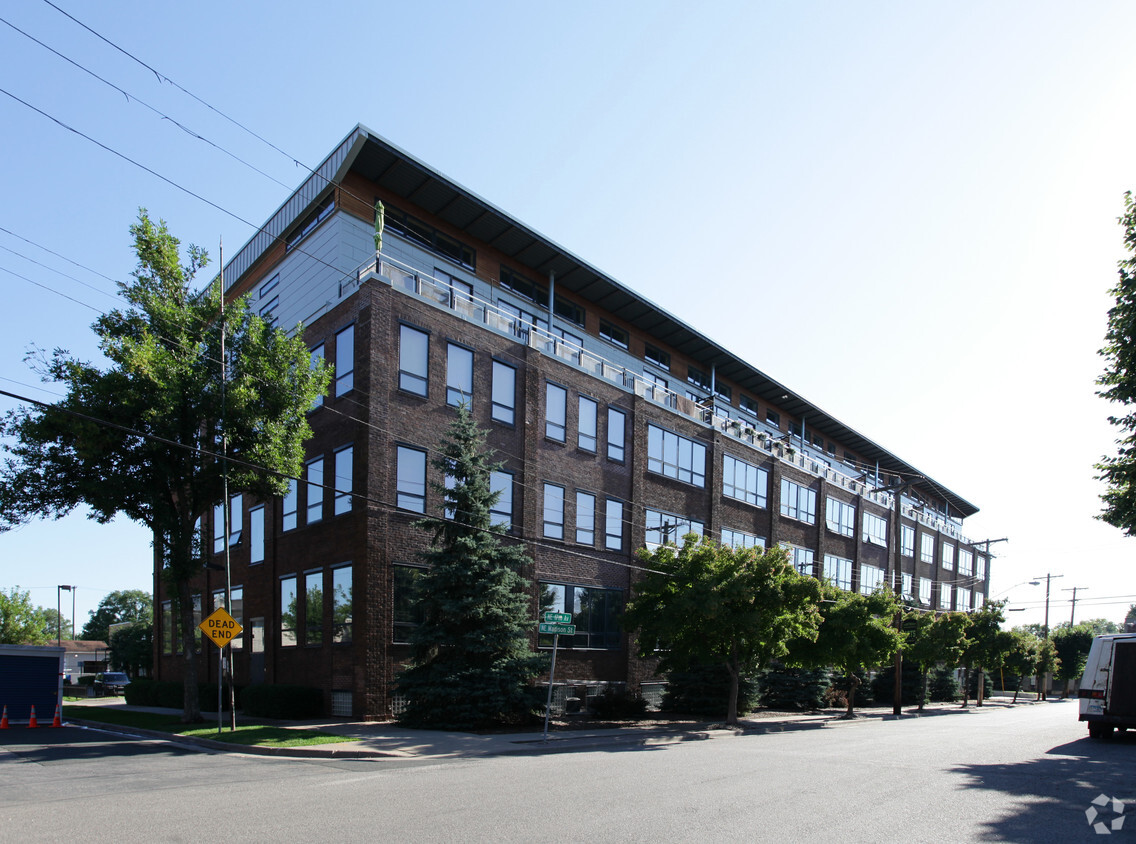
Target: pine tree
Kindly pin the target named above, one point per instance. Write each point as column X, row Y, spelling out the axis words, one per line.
column 472, row 664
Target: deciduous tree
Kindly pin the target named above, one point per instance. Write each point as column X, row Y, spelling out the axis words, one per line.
column 139, row 437
column 115, row 608
column 933, row 639
column 21, row 622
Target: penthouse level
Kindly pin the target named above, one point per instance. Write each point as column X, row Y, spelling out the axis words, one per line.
column 618, row 425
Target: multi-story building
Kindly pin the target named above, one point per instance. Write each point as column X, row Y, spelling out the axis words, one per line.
column 617, row 425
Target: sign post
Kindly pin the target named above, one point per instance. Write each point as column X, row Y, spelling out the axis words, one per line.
column 221, row 628
column 554, row 623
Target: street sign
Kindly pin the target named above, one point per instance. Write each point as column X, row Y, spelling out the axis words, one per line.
column 558, row 617
column 220, row 627
column 562, row 629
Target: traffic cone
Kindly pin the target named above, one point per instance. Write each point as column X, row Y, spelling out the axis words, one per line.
column 4, row 718
column 32, row 722
column 57, row 722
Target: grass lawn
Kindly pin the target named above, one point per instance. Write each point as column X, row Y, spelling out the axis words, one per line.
column 247, row 734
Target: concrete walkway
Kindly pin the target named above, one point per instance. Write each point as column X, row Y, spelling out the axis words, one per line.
column 378, row 740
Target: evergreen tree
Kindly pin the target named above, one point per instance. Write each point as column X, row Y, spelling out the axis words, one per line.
column 472, row 664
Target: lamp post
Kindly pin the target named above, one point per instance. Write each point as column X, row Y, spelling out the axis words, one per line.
column 59, row 614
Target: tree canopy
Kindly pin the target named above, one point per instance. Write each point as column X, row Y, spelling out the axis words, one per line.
column 21, row 622
column 139, row 437
column 932, row 639
column 713, row 604
column 115, row 608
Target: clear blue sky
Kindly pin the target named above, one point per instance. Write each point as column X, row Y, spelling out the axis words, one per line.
column 907, row 212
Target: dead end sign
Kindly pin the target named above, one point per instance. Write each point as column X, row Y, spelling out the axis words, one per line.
column 220, row 627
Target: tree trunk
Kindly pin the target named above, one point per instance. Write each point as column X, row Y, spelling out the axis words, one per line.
column 732, row 709
column 965, row 685
column 1018, row 688
column 981, row 686
column 923, row 696
column 191, row 706
column 853, row 685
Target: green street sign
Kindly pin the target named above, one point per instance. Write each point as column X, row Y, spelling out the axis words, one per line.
column 558, row 617
column 562, row 629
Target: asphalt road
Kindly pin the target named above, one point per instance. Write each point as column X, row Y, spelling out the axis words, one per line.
column 1022, row 774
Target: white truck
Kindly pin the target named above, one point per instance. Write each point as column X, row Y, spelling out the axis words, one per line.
column 1108, row 687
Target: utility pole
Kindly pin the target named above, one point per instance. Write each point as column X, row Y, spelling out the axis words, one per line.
column 1073, row 611
column 1042, row 682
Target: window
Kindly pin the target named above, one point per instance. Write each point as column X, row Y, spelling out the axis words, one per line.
column 871, row 578
column 748, row 405
column 773, row 418
column 655, row 355
column 268, row 310
column 321, row 213
column 966, row 562
column 413, row 360
column 585, row 518
column 665, row 528
column 925, row 591
column 344, row 469
column 948, row 556
column 980, row 567
column 459, row 375
column 315, row 490
column 317, row 358
column 313, row 608
column 289, row 505
column 907, row 540
column 676, row 457
column 288, row 611
column 407, row 612
column 256, row 534
column 504, row 392
column 616, row 425
column 586, row 429
column 410, row 227
column 698, row 378
column 740, row 539
column 927, row 548
column 840, row 517
column 519, row 284
column 723, row 390
column 218, row 528
column 595, row 612
column 962, row 599
column 169, row 645
column 501, row 513
column 555, row 412
column 875, row 530
column 907, row 586
column 411, row 479
column 802, row 559
column 345, row 360
column 341, row 606
column 615, row 336
column 744, row 482
column 944, row 596
column 838, row 570
column 236, row 511
column 553, row 511
column 571, row 312
column 798, row 502
column 269, row 286
column 613, row 525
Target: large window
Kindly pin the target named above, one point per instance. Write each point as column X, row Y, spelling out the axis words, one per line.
column 413, row 360
column 501, row 513
column 313, row 608
column 613, row 525
column 613, row 334
column 740, row 539
column 236, row 510
column 948, row 556
column 875, row 530
column 798, row 502
column 459, row 375
column 315, row 490
column 927, row 548
column 585, row 518
column 962, row 600
column 341, row 604
column 553, row 511
column 555, row 412
column 288, row 611
column 907, row 582
column 311, row 222
column 616, row 425
column 504, row 393
column 587, row 422
column 411, row 482
column 317, row 358
column 840, row 516
column 944, row 596
column 966, row 562
column 980, row 567
column 595, row 612
column 925, row 591
column 871, row 578
column 744, row 482
column 655, row 355
column 256, row 534
column 907, row 540
column 668, row 527
column 838, row 570
column 407, row 612
column 803, row 559
column 410, row 227
column 236, row 611
column 344, row 469
column 345, row 360
column 289, row 505
column 676, row 457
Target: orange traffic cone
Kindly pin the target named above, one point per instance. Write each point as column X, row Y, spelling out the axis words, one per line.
column 57, row 722
column 32, row 722
column 4, row 718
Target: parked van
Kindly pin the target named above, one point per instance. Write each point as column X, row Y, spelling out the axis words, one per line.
column 1108, row 687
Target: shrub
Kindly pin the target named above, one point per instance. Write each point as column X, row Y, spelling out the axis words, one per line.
column 793, row 689
column 705, row 690
column 617, row 702
column 140, row 693
column 883, row 685
column 943, row 688
column 283, row 702
column 837, row 693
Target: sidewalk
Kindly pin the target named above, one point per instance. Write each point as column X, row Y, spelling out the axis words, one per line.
column 379, row 740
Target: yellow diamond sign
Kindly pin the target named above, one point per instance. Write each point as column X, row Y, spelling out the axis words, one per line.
column 220, row 627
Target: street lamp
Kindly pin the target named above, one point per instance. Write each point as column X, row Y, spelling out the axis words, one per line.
column 59, row 614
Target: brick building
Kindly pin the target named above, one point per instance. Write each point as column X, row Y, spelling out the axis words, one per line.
column 618, row 426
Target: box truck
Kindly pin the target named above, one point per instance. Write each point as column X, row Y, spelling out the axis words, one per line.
column 1108, row 687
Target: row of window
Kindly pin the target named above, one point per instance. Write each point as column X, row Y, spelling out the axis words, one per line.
column 313, row 600
column 587, row 422
column 586, row 516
